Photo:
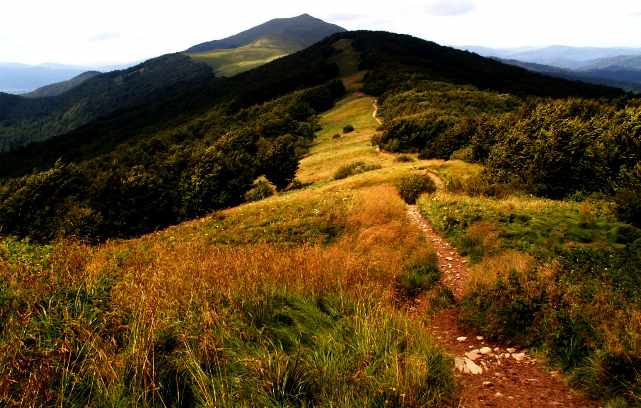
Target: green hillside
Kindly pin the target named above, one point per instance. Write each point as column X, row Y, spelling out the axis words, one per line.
column 229, row 62
column 262, row 44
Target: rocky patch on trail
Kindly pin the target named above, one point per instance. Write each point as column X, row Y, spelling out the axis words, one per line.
column 481, row 359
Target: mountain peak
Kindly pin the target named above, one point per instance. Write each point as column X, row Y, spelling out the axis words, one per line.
column 301, row 31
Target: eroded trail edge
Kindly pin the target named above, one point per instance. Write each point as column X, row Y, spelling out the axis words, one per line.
column 491, row 375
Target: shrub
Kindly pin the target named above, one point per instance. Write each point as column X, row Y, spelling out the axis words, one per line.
column 348, row 129
column 261, row 189
column 296, row 184
column 440, row 298
column 464, row 154
column 419, row 276
column 337, row 136
column 404, row 159
column 411, row 187
column 354, row 168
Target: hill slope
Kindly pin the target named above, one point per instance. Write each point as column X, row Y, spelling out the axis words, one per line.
column 559, row 56
column 25, row 120
column 20, row 78
column 262, row 44
column 297, row 32
column 59, row 88
column 389, row 58
column 626, row 79
column 602, row 66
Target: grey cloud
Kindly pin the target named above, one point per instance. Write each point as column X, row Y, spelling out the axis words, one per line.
column 451, row 7
column 104, row 37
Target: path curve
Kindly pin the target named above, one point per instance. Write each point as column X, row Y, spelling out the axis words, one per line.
column 491, row 375
column 375, row 113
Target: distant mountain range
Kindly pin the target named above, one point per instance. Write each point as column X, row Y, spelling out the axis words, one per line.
column 22, row 78
column 620, row 67
column 262, row 44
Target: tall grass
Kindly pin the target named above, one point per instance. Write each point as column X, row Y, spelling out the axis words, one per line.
column 177, row 319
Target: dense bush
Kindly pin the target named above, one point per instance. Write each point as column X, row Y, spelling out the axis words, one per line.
column 354, row 168
column 348, row 129
column 261, row 189
column 412, row 186
column 561, row 147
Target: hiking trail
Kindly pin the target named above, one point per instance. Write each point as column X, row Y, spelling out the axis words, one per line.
column 490, row 374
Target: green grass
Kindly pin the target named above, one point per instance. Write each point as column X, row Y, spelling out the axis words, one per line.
column 419, row 276
column 543, row 228
column 230, row 62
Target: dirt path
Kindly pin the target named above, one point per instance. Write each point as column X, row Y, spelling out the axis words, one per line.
column 375, row 113
column 491, row 375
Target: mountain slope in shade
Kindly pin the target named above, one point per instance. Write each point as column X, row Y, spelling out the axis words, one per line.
column 25, row 120
column 297, row 32
column 629, row 80
column 59, row 88
column 262, row 44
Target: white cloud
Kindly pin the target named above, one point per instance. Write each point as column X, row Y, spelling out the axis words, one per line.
column 104, row 37
column 451, row 7
column 35, row 31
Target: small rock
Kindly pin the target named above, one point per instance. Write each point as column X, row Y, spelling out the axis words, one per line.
column 518, row 356
column 487, row 384
column 497, row 349
column 473, row 355
column 467, row 366
column 485, row 350
column 472, row 368
column 479, row 338
column 449, row 258
column 459, row 364
column 511, row 350
column 461, row 339
column 498, row 395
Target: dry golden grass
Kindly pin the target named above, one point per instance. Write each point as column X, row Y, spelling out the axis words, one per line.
column 491, row 268
column 346, row 239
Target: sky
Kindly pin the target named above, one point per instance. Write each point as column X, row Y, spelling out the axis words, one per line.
column 100, row 32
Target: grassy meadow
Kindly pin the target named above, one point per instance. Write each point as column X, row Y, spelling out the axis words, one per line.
column 289, row 301
column 229, row 62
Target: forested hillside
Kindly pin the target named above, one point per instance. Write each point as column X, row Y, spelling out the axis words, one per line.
column 25, row 120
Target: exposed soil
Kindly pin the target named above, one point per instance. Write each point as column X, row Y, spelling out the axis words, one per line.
column 491, row 375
